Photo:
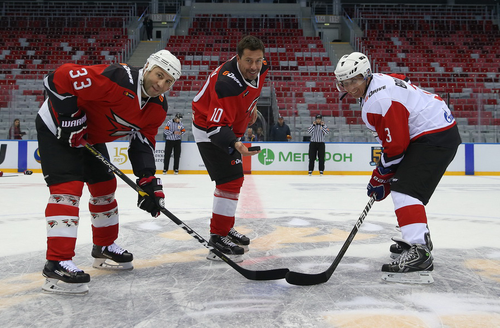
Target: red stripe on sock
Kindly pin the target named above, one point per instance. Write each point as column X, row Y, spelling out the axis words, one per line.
column 104, row 236
column 220, row 224
column 60, row 248
column 411, row 214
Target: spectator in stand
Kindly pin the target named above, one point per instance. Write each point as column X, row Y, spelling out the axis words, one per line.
column 15, row 130
column 260, row 134
column 148, row 23
column 248, row 136
column 280, row 131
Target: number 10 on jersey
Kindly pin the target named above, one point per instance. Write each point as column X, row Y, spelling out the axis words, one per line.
column 217, row 115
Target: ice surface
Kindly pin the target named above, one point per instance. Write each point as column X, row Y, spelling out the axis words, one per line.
column 295, row 222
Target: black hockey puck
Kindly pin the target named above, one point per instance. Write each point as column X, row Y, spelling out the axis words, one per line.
column 28, row 172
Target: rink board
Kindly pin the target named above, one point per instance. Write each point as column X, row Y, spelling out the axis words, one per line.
column 275, row 158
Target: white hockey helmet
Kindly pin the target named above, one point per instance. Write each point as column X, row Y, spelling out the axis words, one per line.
column 353, row 65
column 166, row 61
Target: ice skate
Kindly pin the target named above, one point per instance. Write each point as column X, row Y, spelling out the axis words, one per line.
column 226, row 246
column 413, row 265
column 396, row 249
column 112, row 257
column 64, row 277
column 239, row 239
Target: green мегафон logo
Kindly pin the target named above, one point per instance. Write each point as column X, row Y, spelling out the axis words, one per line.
column 266, row 156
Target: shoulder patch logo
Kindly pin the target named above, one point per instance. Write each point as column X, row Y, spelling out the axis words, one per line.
column 127, row 69
column 232, row 77
column 128, row 94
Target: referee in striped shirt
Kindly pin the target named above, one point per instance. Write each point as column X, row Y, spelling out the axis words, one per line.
column 173, row 133
column 318, row 130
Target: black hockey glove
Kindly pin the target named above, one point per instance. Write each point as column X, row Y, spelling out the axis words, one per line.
column 72, row 130
column 155, row 200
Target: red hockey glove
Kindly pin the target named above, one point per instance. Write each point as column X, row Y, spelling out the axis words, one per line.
column 380, row 183
column 72, row 130
column 154, row 201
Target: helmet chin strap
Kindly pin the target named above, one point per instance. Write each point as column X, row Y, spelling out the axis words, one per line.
column 367, row 84
column 142, row 85
column 144, row 90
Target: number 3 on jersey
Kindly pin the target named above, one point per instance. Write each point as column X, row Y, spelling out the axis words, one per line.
column 216, row 115
column 388, row 136
column 82, row 84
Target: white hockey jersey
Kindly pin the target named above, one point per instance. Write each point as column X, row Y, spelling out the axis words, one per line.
column 400, row 113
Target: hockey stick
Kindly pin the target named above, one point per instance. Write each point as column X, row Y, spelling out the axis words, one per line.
column 305, row 279
column 249, row 274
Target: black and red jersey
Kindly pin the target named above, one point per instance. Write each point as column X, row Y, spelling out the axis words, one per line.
column 110, row 96
column 227, row 100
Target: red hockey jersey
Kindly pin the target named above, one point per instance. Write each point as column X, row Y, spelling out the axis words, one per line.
column 110, row 95
column 227, row 99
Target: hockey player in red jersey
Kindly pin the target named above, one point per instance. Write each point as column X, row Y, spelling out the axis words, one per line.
column 420, row 138
column 222, row 110
column 98, row 104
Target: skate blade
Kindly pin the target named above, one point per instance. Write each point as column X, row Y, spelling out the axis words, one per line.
column 107, row 264
column 235, row 258
column 56, row 286
column 419, row 277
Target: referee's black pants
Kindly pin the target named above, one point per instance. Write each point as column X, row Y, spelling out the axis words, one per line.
column 170, row 145
column 317, row 148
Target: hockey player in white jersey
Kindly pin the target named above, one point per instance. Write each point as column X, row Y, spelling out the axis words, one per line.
column 420, row 138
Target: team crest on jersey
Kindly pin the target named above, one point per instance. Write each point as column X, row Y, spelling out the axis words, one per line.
column 376, row 154
column 121, row 127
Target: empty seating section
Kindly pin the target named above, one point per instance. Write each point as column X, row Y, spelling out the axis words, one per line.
column 452, row 51
column 301, row 72
column 37, row 38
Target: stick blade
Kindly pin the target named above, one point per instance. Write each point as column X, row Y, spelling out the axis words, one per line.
column 304, row 279
column 273, row 274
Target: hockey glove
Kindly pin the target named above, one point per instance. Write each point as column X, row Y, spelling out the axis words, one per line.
column 380, row 183
column 72, row 130
column 154, row 201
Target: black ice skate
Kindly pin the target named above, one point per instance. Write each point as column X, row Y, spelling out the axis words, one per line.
column 112, row 257
column 239, row 239
column 63, row 277
column 413, row 265
column 396, row 249
column 226, row 246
